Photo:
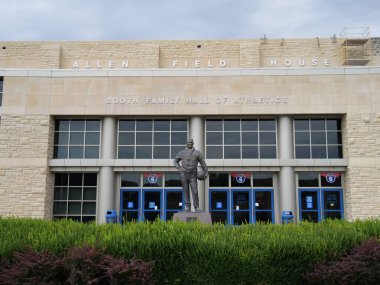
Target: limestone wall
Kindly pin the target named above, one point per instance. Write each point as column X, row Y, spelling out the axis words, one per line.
column 25, row 179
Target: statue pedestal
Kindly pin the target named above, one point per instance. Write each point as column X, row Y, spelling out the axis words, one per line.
column 187, row 216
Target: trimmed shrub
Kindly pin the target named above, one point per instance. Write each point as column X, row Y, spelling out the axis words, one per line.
column 81, row 265
column 361, row 266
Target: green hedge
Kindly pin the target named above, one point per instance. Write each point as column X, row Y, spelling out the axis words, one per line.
column 195, row 253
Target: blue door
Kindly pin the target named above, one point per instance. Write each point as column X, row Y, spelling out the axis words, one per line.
column 152, row 204
column 130, row 205
column 263, row 206
column 332, row 206
column 241, row 206
column 219, row 206
column 309, row 205
column 174, row 202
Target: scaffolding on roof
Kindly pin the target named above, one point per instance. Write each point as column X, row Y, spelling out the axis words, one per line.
column 356, row 45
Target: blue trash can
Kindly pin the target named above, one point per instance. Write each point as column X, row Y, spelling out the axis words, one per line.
column 287, row 217
column 111, row 217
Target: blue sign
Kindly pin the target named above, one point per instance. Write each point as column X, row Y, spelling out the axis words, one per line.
column 240, row 178
column 219, row 205
column 130, row 205
column 152, row 178
column 330, row 178
column 152, row 205
column 309, row 202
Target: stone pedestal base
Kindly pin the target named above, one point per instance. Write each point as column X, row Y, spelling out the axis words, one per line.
column 186, row 216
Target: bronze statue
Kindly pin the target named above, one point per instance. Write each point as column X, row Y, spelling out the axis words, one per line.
column 186, row 162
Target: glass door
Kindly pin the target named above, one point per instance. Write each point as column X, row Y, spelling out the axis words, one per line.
column 241, row 206
column 309, row 205
column 263, row 202
column 151, row 204
column 173, row 202
column 332, row 204
column 130, row 204
column 219, row 206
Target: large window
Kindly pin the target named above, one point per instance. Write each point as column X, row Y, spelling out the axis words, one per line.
column 318, row 138
column 240, row 138
column 147, row 139
column 77, row 138
column 75, row 196
column 1, row 91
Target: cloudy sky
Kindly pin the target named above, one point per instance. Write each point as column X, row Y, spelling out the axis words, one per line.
column 183, row 19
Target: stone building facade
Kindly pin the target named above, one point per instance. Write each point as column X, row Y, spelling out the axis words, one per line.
column 284, row 124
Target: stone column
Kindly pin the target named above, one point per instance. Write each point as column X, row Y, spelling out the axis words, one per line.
column 287, row 176
column 197, row 133
column 106, row 188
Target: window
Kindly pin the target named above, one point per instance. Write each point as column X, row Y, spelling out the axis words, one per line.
column 75, row 196
column 77, row 138
column 240, row 138
column 147, row 139
column 318, row 138
column 1, row 90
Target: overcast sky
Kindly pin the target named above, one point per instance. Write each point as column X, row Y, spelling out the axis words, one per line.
column 65, row 20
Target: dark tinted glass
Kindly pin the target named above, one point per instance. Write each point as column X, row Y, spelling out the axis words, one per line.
column 61, row 138
column 179, row 125
column 218, row 200
column 161, row 152
column 90, row 179
column 215, row 138
column 143, row 138
column 126, row 152
column 331, row 200
column 333, row 124
column 264, row 217
column 214, row 125
column 262, row 179
column 250, row 152
column 335, row 151
column 144, row 125
column 130, row 200
column 77, row 125
column 93, row 125
column 301, row 125
column 231, row 138
column 214, row 152
column 240, row 180
column 267, row 137
column 240, row 200
column 302, row 152
column 152, row 200
column 309, row 216
column 75, row 179
column 59, row 208
column 76, row 138
column 249, row 125
column 232, row 125
column 161, row 125
column 151, row 216
column 175, row 150
column 219, row 217
column 308, row 179
column 334, row 137
column 317, row 124
column 179, row 138
column 89, row 208
column 241, row 218
column 91, row 152
column 333, row 215
column 92, row 138
column 76, row 152
column 218, row 179
column 74, row 208
column 249, row 138
column 161, row 138
column 127, row 125
column 62, row 125
column 267, row 125
column 61, row 179
column 309, row 200
column 75, row 193
column 126, row 138
column 172, row 180
column 267, row 152
column 61, row 152
column 60, row 193
column 231, row 152
column 174, row 200
column 318, row 138
column 89, row 193
column 318, row 151
column 130, row 179
column 130, row 216
column 263, row 200
column 302, row 138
